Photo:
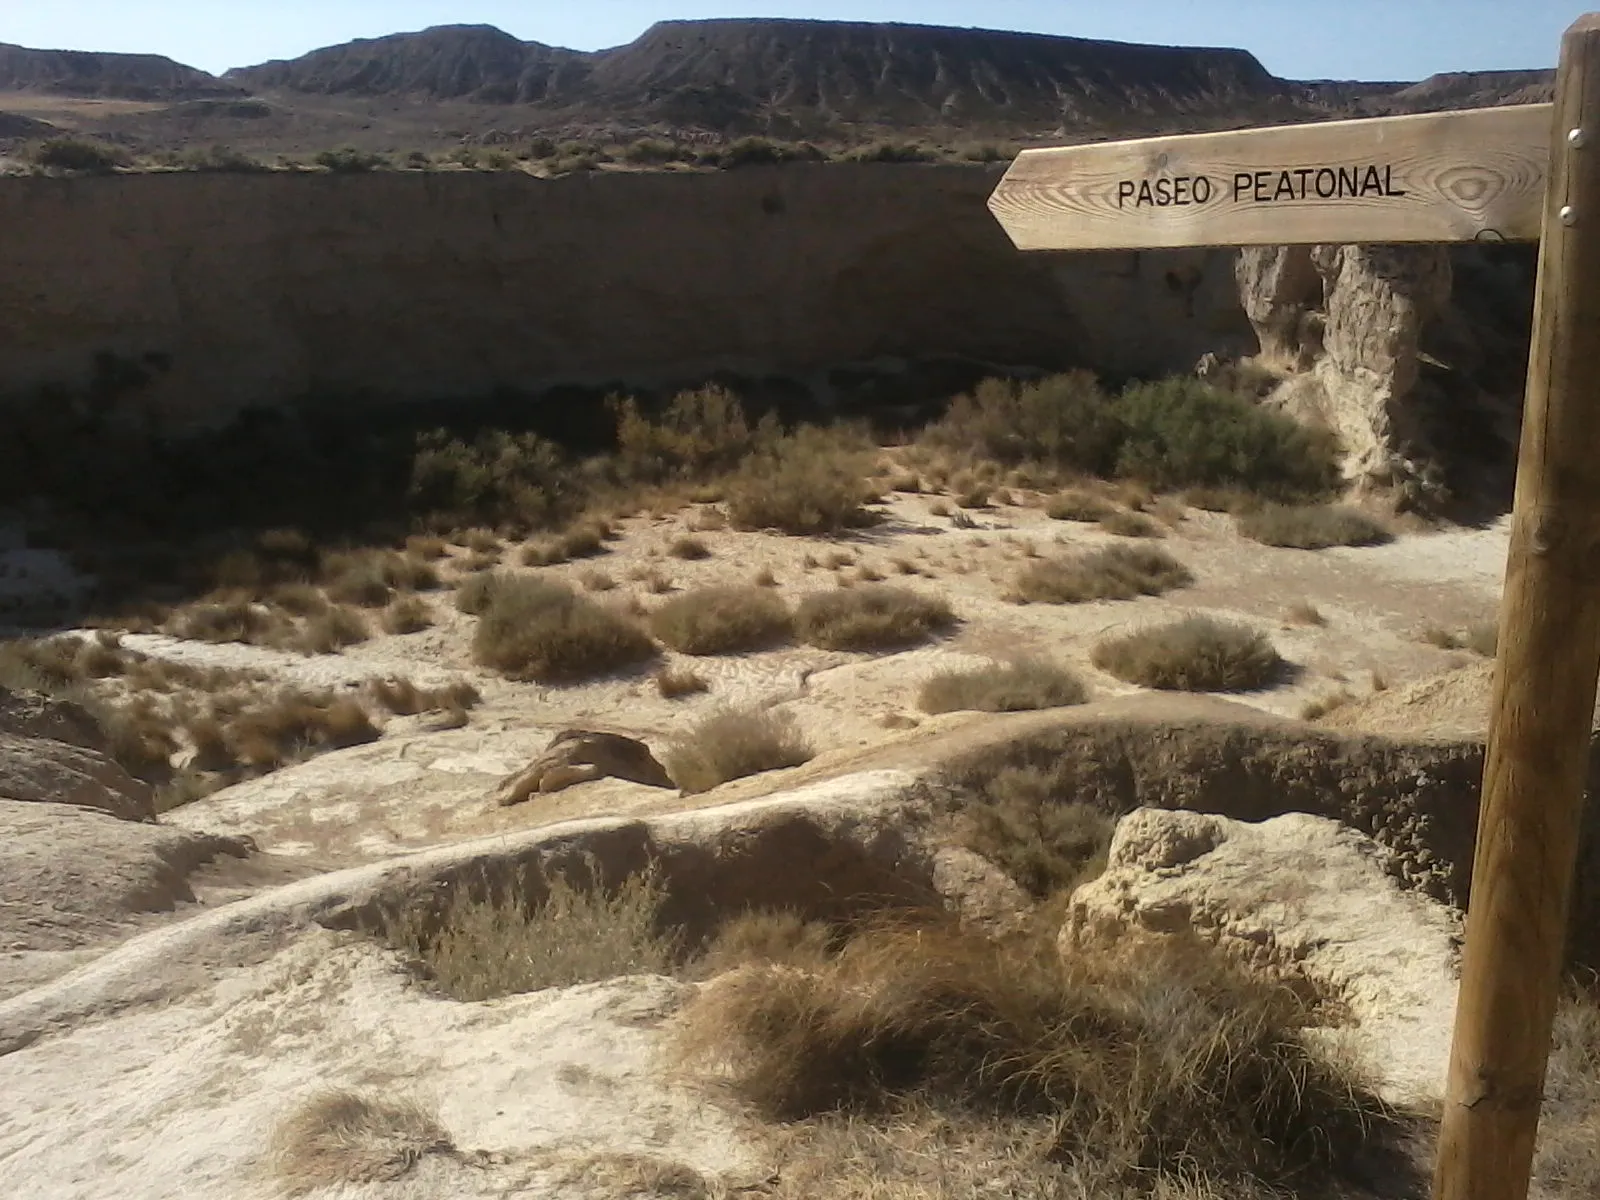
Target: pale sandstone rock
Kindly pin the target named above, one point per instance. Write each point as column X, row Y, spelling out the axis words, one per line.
column 1303, row 897
column 580, row 756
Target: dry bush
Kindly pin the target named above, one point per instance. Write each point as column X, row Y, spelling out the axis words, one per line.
column 231, row 620
column 1303, row 612
column 765, row 578
column 359, row 580
column 299, row 599
column 722, row 620
column 1567, row 1162
column 331, row 631
column 543, row 631
column 595, row 580
column 839, row 559
column 709, row 520
column 481, row 541
column 139, row 736
column 1311, row 527
column 473, row 596
column 1131, row 524
column 1002, row 687
column 426, row 547
column 294, row 724
column 407, row 614
column 586, row 539
column 688, row 547
column 673, row 683
column 500, row 943
column 1112, row 573
column 733, row 743
column 1193, row 654
column 877, row 616
column 1220, row 499
column 338, row 1139
column 1158, row 1059
column 904, row 566
column 405, row 699
column 867, row 573
column 809, row 482
column 475, row 562
column 1481, row 637
column 1315, row 710
column 1078, row 506
column 767, row 936
column 699, row 435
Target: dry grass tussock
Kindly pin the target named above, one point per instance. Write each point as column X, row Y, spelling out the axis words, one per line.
column 673, row 683
column 1150, row 1060
column 1002, row 687
column 876, row 616
column 536, row 629
column 1568, row 1156
column 499, row 943
column 407, row 614
column 1193, row 654
column 1131, row 524
column 404, row 698
column 1481, row 637
column 1076, row 505
column 1113, row 573
column 722, row 620
column 1311, row 527
column 734, row 743
column 338, row 1138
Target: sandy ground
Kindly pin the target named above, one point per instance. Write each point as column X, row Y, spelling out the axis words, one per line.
column 415, row 788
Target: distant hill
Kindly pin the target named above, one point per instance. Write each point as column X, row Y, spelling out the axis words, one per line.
column 1478, row 89
column 735, row 73
column 104, row 76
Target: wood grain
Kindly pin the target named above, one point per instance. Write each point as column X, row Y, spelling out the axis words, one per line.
column 1466, row 176
column 1544, row 692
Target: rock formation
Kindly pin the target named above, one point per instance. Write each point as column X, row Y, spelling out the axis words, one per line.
column 1301, row 897
column 579, row 756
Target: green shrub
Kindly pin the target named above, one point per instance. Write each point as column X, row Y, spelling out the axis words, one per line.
column 1003, row 687
column 722, row 620
column 77, row 155
column 700, row 434
column 809, row 482
column 1181, row 433
column 893, row 152
column 535, row 629
column 1113, row 573
column 1064, row 421
column 732, row 744
column 497, row 478
column 349, row 161
column 1311, row 527
column 1194, row 654
column 875, row 616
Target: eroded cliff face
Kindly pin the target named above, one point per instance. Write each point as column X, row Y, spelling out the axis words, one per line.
column 1413, row 355
column 213, row 293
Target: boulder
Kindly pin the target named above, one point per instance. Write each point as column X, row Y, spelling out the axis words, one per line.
column 582, row 755
column 43, row 770
column 1302, row 898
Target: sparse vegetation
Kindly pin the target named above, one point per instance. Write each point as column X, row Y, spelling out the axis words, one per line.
column 489, row 942
column 1195, row 654
column 722, row 620
column 1480, row 637
column 1078, row 506
column 808, row 482
column 1311, row 527
column 407, row 614
column 1003, row 687
column 543, row 631
column 673, row 683
column 1315, row 710
column 338, row 1139
column 733, row 743
column 1113, row 573
column 877, row 616
column 688, row 547
column 1160, row 1060
column 1123, row 523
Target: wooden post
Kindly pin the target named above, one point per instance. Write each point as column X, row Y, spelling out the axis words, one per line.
column 1544, row 693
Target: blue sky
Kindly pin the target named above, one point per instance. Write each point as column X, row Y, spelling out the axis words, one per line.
column 1346, row 39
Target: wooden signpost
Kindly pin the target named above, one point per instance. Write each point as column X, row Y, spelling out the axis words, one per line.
column 1518, row 173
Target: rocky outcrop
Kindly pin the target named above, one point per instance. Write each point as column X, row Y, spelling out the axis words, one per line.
column 1372, row 344
column 53, row 752
column 1303, row 898
column 581, row 756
